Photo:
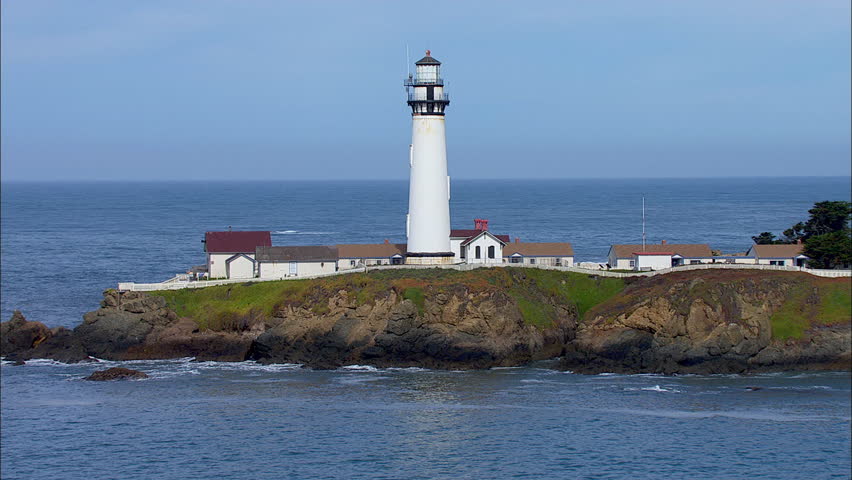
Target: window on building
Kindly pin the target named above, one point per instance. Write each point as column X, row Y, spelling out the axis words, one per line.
column 491, row 251
column 351, row 263
column 478, row 252
column 463, row 252
column 532, row 261
column 695, row 262
column 516, row 260
column 632, row 263
column 558, row 262
column 777, row 262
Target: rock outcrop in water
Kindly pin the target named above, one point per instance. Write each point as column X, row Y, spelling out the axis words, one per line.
column 709, row 321
column 116, row 373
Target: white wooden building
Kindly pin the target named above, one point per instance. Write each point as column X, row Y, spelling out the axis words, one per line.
column 281, row 262
column 784, row 255
column 554, row 254
column 624, row 257
column 477, row 245
column 482, row 248
column 231, row 254
column 365, row 254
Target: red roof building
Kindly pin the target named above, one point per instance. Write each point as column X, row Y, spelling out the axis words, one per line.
column 236, row 242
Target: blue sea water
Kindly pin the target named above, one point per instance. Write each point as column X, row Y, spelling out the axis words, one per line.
column 63, row 243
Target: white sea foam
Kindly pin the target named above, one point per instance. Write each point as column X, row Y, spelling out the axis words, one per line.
column 359, row 368
column 296, row 232
column 741, row 414
column 44, row 362
column 657, row 388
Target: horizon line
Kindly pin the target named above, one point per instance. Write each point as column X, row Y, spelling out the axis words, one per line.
column 352, row 180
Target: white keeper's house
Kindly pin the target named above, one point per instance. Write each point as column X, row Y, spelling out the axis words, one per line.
column 554, row 254
column 784, row 255
column 232, row 254
column 477, row 245
column 281, row 262
column 658, row 256
column 367, row 254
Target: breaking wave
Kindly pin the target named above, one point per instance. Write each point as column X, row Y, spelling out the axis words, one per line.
column 297, row 232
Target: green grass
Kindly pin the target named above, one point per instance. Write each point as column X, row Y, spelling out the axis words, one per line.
column 415, row 294
column 790, row 321
column 801, row 310
column 584, row 291
column 534, row 313
column 211, row 305
column 537, row 292
column 835, row 305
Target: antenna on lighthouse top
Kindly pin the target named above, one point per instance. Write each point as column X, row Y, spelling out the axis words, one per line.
column 643, row 223
column 407, row 62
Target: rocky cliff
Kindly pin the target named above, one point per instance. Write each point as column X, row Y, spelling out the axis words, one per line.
column 709, row 321
column 717, row 322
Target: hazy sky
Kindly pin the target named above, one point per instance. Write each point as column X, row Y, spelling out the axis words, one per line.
column 183, row 90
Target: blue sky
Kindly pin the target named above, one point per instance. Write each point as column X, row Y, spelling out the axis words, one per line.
column 181, row 90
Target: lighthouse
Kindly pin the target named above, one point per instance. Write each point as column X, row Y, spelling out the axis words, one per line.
column 428, row 221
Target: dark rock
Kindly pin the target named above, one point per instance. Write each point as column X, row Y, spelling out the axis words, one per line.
column 116, row 373
column 111, row 334
column 19, row 335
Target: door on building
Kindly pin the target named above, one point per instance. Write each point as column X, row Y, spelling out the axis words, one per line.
column 294, row 268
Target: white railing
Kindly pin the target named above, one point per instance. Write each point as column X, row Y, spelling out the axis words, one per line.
column 173, row 284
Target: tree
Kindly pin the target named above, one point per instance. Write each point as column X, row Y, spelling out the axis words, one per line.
column 765, row 238
column 827, row 235
column 830, row 250
column 828, row 217
column 794, row 233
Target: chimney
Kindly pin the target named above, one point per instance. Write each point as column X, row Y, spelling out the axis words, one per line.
column 663, row 242
column 480, row 224
column 517, row 240
column 387, row 241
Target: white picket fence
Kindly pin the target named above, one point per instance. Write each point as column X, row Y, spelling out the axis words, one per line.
column 177, row 284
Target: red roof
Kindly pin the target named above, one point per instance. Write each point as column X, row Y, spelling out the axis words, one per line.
column 502, row 238
column 469, row 234
column 653, row 253
column 236, row 242
column 464, row 233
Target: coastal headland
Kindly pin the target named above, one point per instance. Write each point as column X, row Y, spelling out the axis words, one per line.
column 709, row 321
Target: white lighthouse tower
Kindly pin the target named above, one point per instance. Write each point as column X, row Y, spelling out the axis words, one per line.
column 428, row 222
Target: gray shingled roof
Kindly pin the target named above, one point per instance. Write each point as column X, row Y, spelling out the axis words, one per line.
column 427, row 60
column 311, row 253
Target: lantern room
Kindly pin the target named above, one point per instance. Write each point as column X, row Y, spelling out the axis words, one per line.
column 426, row 94
column 428, row 70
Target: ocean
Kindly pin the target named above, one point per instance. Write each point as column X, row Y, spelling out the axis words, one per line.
column 64, row 243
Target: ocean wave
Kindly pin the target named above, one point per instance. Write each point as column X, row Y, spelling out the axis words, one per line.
column 359, row 379
column 736, row 414
column 297, row 232
column 44, row 362
column 359, row 368
column 655, row 388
